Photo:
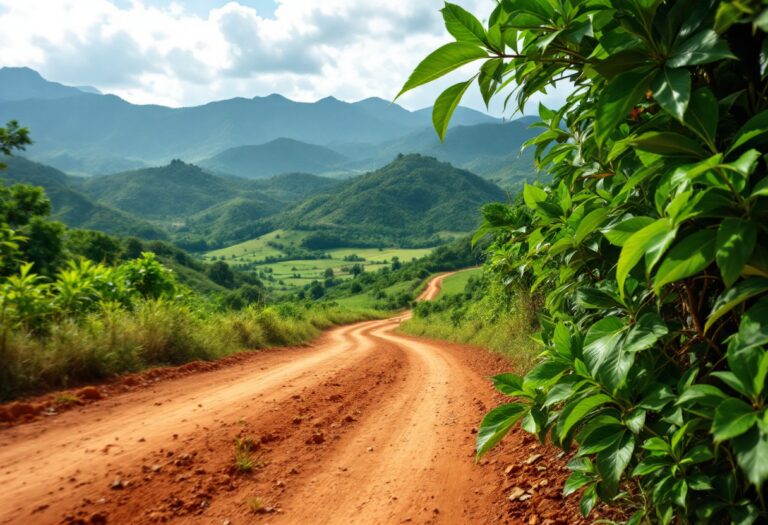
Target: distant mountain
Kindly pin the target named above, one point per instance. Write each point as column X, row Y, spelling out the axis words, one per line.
column 22, row 83
column 413, row 196
column 274, row 158
column 489, row 150
column 72, row 207
column 92, row 125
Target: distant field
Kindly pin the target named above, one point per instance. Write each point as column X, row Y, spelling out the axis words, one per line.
column 289, row 274
column 368, row 301
column 457, row 282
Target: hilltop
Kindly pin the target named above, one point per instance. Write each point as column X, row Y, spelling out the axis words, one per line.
column 274, row 158
column 414, row 196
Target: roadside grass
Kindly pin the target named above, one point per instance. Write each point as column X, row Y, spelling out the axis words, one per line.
column 456, row 283
column 113, row 341
column 244, row 461
column 479, row 321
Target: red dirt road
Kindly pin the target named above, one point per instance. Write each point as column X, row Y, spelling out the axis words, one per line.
column 365, row 426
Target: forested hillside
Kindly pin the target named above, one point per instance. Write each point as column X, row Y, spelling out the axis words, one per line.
column 412, row 197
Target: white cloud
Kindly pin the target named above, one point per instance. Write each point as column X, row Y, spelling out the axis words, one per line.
column 306, row 49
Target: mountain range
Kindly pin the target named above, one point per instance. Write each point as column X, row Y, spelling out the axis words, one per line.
column 82, row 131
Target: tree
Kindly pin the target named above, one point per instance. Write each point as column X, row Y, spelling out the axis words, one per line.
column 356, row 269
column 93, row 245
column 649, row 243
column 396, row 264
column 316, row 290
column 221, row 274
column 13, row 137
column 328, row 273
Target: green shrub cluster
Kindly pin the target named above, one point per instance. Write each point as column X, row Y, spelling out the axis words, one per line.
column 650, row 242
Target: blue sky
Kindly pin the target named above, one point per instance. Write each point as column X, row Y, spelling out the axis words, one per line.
column 182, row 53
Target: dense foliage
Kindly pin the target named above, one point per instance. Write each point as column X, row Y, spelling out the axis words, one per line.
column 650, row 243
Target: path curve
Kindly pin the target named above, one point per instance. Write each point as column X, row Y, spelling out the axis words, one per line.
column 364, row 426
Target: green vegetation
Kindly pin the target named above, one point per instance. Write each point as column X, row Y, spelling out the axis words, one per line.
column 410, row 200
column 473, row 310
column 648, row 246
column 78, row 305
column 458, row 282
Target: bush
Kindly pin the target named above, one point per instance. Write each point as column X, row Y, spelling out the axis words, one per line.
column 650, row 242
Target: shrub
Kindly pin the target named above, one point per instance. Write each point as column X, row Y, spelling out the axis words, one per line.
column 650, row 241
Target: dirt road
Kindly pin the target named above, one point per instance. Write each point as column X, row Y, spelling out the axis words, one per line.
column 365, row 426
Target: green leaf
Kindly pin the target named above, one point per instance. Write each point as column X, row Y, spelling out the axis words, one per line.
column 672, row 90
column 644, row 334
column 603, row 338
column 621, row 232
column 702, row 48
column 446, row 104
column 462, row 24
column 760, row 189
column 612, row 461
column 441, row 62
column 735, row 296
column 508, row 384
column 753, row 329
column 574, row 412
column 533, row 196
column 733, row 417
column 574, row 482
column 496, row 424
column 656, row 238
column 736, row 239
column 546, row 373
column 753, row 133
column 707, row 395
column 751, row 450
column 590, row 224
column 650, row 465
column 702, row 115
column 619, row 97
column 669, row 143
column 588, row 500
column 687, row 258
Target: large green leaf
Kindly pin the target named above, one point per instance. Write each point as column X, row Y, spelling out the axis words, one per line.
column 446, row 104
column 672, row 90
column 753, row 329
column 644, row 334
column 655, row 237
column 574, row 412
column 441, row 62
column 702, row 114
column 590, row 224
column 619, row 97
column 751, row 450
column 702, row 48
column 462, row 24
column 735, row 296
column 753, row 133
column 603, row 338
column 612, row 461
column 669, row 143
column 687, row 258
column 736, row 239
column 732, row 418
column 620, row 233
column 496, row 424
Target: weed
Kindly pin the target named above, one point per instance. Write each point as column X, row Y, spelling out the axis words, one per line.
column 256, row 505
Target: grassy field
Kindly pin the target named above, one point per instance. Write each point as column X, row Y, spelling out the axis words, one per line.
column 367, row 301
column 288, row 275
column 457, row 282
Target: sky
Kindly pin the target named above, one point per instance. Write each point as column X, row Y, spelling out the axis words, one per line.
column 183, row 53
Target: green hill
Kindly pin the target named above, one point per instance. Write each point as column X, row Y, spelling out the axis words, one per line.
column 413, row 197
column 273, row 158
column 169, row 192
column 71, row 206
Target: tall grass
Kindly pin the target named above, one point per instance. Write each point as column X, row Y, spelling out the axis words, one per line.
column 480, row 321
column 112, row 340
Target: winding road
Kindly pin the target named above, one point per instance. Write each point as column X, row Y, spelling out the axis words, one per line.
column 365, row 426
